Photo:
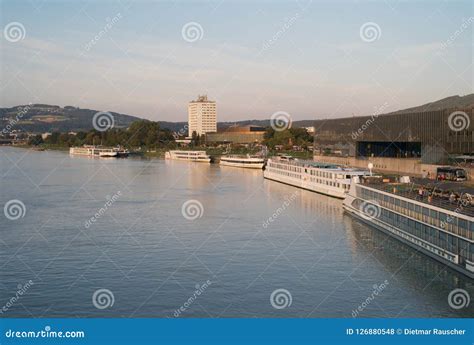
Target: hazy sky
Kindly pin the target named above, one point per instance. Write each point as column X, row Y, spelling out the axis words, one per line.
column 311, row 59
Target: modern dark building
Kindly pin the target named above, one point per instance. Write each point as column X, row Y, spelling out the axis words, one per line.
column 431, row 136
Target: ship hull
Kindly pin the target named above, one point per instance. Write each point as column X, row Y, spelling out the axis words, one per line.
column 313, row 187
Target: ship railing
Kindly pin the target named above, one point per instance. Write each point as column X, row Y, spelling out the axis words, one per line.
column 457, row 204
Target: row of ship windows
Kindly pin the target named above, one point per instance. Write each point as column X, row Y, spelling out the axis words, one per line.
column 429, row 234
column 285, row 167
column 279, row 172
column 321, row 173
column 312, row 179
column 330, row 183
column 324, row 174
column 455, row 225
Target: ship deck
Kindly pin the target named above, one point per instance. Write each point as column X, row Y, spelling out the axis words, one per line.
column 440, row 192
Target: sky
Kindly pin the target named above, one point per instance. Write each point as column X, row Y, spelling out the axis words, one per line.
column 310, row 59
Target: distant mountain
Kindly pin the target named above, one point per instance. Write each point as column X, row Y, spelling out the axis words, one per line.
column 460, row 102
column 49, row 118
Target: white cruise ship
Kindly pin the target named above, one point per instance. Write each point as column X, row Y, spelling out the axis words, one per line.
column 242, row 161
column 98, row 151
column 435, row 219
column 332, row 180
column 192, row 156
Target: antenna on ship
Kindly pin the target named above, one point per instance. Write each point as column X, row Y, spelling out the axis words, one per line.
column 370, row 166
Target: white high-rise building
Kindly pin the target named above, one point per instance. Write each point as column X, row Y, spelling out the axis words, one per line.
column 202, row 116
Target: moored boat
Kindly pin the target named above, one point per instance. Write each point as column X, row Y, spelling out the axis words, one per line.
column 243, row 161
column 328, row 179
column 192, row 156
column 437, row 221
column 98, row 151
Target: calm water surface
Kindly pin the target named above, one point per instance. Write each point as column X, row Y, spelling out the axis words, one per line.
column 152, row 258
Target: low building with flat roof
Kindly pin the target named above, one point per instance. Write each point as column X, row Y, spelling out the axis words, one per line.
column 237, row 135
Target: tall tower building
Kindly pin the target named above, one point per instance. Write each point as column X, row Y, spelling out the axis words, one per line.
column 202, row 116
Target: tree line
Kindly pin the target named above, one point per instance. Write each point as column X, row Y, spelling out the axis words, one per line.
column 148, row 135
column 140, row 134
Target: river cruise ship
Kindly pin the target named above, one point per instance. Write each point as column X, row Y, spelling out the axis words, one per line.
column 329, row 179
column 243, row 161
column 192, row 156
column 436, row 219
column 98, row 151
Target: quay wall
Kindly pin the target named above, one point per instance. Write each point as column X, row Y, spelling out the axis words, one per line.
column 408, row 166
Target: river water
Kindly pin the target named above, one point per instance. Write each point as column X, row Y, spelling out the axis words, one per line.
column 152, row 238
